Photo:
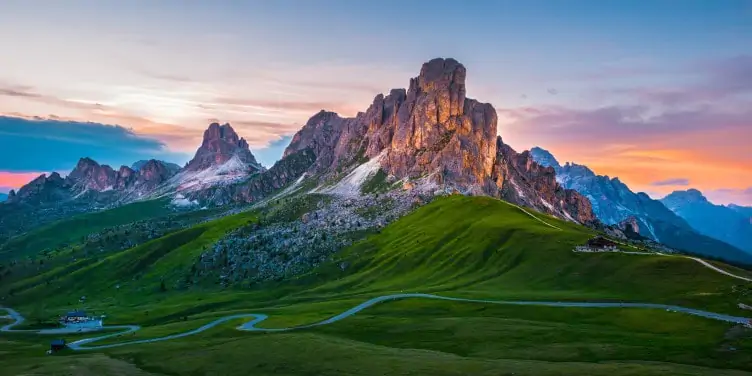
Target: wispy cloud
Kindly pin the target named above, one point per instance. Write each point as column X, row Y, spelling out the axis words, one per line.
column 253, row 105
column 741, row 197
column 699, row 131
column 671, row 182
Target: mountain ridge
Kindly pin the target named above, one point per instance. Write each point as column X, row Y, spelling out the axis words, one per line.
column 432, row 136
column 721, row 222
column 614, row 202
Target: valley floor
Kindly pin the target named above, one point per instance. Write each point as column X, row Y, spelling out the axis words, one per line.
column 466, row 247
column 420, row 336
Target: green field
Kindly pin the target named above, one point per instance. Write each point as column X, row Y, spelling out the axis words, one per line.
column 70, row 230
column 470, row 247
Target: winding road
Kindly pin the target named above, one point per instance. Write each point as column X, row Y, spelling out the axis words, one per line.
column 255, row 318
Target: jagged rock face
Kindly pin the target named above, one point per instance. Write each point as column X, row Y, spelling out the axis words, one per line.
column 43, row 189
column 152, row 174
column 439, row 130
column 523, row 181
column 172, row 167
column 283, row 173
column 125, row 178
column 544, row 158
column 221, row 144
column 321, row 134
column 89, row 174
column 430, row 128
column 611, row 199
column 630, row 224
column 101, row 182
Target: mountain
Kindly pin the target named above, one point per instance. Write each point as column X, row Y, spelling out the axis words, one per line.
column 611, row 199
column 3, row 197
column 223, row 158
column 428, row 138
column 88, row 179
column 729, row 224
column 432, row 137
column 170, row 166
column 613, row 203
column 220, row 145
column 744, row 210
column 222, row 161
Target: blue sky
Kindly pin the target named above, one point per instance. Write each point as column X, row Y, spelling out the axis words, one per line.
column 165, row 69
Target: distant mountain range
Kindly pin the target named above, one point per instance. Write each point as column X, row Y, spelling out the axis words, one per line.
column 427, row 139
column 744, row 210
column 173, row 167
column 732, row 224
column 3, row 197
column 613, row 202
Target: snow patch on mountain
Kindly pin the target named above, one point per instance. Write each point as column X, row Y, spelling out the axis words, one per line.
column 181, row 201
column 350, row 185
column 230, row 172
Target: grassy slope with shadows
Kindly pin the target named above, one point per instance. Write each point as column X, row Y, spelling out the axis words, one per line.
column 72, row 229
column 456, row 246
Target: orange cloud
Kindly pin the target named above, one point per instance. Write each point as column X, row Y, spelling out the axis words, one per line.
column 708, row 148
column 15, row 180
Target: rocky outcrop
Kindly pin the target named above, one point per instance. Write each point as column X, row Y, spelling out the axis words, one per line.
column 88, row 174
column 261, row 185
column 434, row 132
column 629, row 225
column 153, row 174
column 94, row 179
column 220, row 145
column 523, row 181
column 172, row 167
column 43, row 189
column 429, row 129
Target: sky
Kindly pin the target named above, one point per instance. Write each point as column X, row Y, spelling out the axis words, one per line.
column 658, row 93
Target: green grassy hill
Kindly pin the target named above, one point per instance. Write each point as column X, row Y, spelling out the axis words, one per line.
column 481, row 247
column 455, row 246
column 72, row 229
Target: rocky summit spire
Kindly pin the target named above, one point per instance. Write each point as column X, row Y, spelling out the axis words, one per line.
column 432, row 131
column 429, row 129
column 220, row 145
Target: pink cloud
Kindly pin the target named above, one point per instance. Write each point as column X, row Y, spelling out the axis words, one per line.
column 741, row 197
column 15, row 180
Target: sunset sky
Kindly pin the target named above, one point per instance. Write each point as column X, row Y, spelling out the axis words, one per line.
column 657, row 93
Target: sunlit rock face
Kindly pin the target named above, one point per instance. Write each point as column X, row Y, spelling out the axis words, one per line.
column 220, row 144
column 433, row 131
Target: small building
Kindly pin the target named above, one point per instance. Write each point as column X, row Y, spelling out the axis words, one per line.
column 57, row 345
column 74, row 317
column 80, row 319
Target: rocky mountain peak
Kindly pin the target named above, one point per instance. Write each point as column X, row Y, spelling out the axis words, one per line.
column 170, row 166
column 88, row 174
column 433, row 132
column 544, row 157
column 440, row 75
column 681, row 198
column 220, row 144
